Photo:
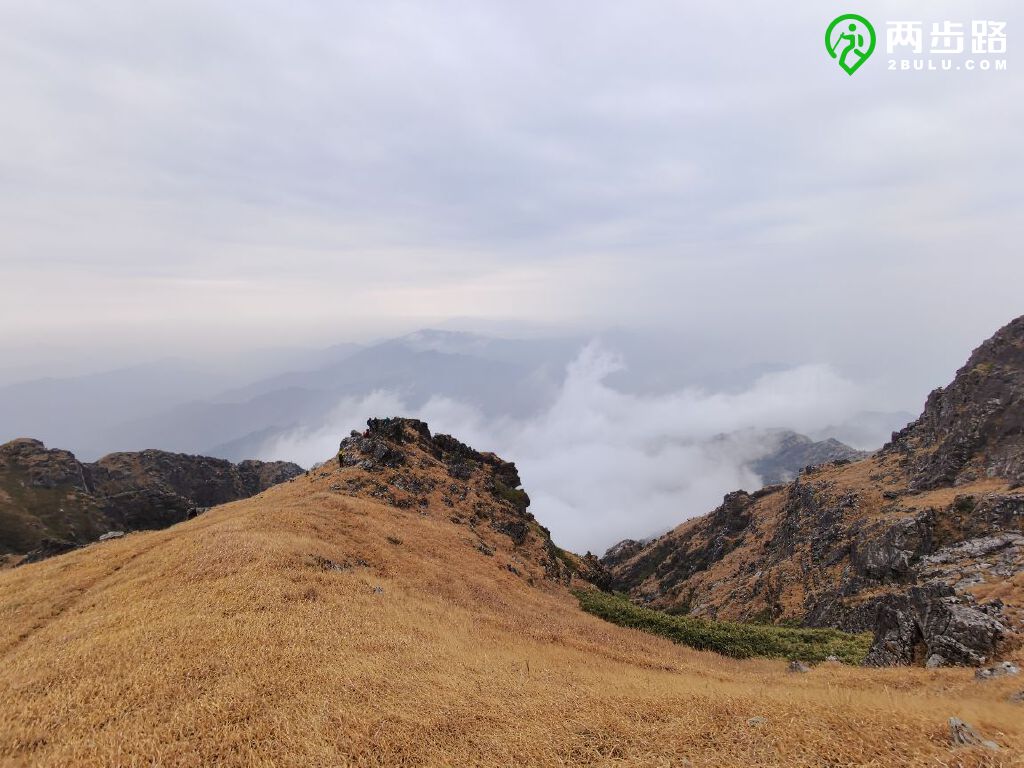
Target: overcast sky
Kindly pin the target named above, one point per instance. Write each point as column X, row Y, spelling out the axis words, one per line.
column 180, row 174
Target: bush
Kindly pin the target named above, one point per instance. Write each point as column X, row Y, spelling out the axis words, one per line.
column 740, row 641
column 515, row 496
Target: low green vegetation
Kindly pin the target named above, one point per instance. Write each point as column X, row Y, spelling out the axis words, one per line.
column 516, row 496
column 740, row 641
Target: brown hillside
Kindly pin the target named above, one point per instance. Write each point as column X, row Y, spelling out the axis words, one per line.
column 922, row 543
column 388, row 612
column 50, row 502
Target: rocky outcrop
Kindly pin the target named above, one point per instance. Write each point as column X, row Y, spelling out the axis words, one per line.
column 974, row 427
column 202, row 480
column 619, row 553
column 912, row 543
column 51, row 502
column 42, row 468
column 399, row 461
column 935, row 626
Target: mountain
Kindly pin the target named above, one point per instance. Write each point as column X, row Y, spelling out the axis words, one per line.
column 791, row 452
column 83, row 411
column 922, row 543
column 50, row 502
column 238, row 406
column 94, row 413
column 866, row 429
column 399, row 605
column 496, row 376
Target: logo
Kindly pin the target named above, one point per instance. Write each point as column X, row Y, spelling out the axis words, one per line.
column 850, row 39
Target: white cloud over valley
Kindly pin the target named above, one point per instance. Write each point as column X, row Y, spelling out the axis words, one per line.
column 601, row 465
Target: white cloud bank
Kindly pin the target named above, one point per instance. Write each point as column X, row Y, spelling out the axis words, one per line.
column 601, row 465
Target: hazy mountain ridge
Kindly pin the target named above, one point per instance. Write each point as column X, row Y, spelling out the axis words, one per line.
column 194, row 407
column 789, row 452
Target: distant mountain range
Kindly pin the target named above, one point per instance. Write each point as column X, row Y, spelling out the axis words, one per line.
column 190, row 407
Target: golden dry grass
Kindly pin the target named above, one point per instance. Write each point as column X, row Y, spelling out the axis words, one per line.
column 224, row 641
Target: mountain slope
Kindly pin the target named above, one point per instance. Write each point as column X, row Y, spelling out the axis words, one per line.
column 51, row 502
column 922, row 543
column 336, row 620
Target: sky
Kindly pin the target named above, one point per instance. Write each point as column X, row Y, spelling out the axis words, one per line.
column 180, row 174
column 206, row 178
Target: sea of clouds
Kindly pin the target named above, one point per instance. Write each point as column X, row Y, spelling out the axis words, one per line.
column 602, row 465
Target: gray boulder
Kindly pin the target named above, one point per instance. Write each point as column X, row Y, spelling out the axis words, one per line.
column 929, row 622
column 963, row 735
column 1003, row 669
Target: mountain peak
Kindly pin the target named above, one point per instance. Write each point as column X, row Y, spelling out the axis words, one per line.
column 974, row 427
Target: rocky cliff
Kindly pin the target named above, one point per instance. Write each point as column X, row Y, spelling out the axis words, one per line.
column 50, row 502
column 398, row 461
column 921, row 544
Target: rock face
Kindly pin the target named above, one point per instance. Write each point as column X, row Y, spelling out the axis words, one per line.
column 933, row 623
column 921, row 544
column 974, row 427
column 50, row 502
column 399, row 461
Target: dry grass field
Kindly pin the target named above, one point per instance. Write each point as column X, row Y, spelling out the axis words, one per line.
column 305, row 627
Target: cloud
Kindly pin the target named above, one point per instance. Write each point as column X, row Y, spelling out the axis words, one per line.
column 220, row 173
column 601, row 465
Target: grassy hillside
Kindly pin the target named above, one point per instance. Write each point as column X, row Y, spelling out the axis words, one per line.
column 741, row 641
column 307, row 627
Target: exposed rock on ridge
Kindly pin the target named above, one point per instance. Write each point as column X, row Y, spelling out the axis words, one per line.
column 50, row 502
column 920, row 544
column 973, row 428
column 399, row 461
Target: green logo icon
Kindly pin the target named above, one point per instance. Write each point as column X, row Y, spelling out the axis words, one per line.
column 850, row 39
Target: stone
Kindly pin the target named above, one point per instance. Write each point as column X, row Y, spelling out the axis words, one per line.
column 933, row 620
column 1003, row 669
column 111, row 535
column 936, row 660
column 753, row 722
column 962, row 734
column 485, row 549
column 976, row 424
column 798, row 667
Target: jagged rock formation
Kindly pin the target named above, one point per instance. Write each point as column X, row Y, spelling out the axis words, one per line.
column 974, row 428
column 921, row 544
column 50, row 502
column 398, row 461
